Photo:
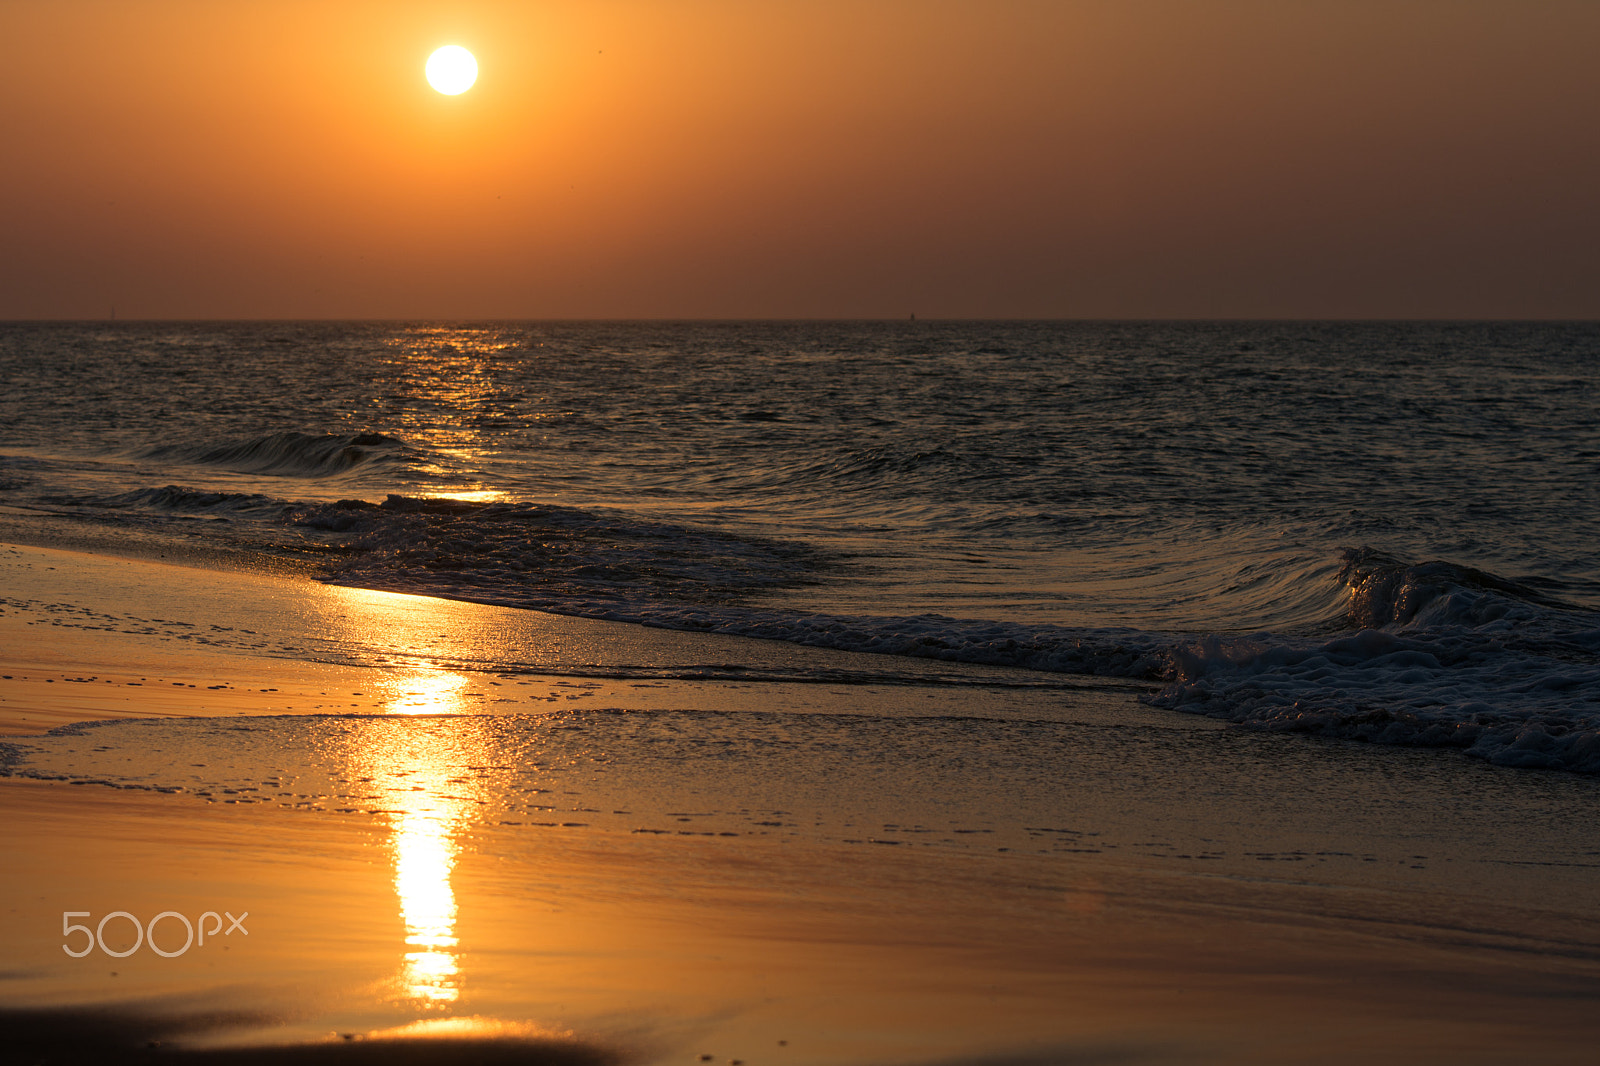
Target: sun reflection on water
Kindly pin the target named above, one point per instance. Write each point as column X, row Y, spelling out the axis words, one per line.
column 467, row 495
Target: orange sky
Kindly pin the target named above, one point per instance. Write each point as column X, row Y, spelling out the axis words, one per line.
column 802, row 158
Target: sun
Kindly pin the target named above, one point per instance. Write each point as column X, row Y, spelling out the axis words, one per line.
column 452, row 70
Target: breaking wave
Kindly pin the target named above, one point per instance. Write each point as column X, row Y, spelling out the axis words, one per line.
column 1432, row 654
column 1428, row 654
column 1390, row 651
column 178, row 500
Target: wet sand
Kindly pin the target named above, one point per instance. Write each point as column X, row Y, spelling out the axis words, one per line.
column 599, row 856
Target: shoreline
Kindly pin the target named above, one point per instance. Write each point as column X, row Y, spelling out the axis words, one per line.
column 756, row 860
column 205, row 638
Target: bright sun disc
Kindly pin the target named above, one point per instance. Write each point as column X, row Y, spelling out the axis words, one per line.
column 452, row 70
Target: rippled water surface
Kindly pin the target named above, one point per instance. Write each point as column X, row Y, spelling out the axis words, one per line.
column 1377, row 530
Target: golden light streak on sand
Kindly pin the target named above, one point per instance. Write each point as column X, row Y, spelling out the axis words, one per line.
column 428, row 803
column 427, row 692
column 688, row 944
column 428, row 807
column 432, row 812
column 474, row 1026
column 424, row 855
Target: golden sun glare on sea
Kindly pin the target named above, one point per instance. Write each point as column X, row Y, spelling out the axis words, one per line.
column 452, row 70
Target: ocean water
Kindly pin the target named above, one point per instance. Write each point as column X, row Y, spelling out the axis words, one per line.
column 1383, row 531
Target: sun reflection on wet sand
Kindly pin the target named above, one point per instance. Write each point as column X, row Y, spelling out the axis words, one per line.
column 429, row 801
column 427, row 692
column 424, row 855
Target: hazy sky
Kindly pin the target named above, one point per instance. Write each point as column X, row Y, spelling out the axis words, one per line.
column 802, row 158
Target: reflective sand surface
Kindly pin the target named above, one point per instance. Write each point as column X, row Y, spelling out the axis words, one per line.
column 662, row 949
column 761, row 871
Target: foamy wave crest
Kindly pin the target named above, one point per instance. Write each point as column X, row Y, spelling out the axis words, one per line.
column 1441, row 656
column 292, row 454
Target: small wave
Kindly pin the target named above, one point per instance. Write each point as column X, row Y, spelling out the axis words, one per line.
column 624, row 568
column 1388, row 591
column 291, row 454
column 181, row 500
column 1423, row 654
column 1105, row 652
column 1441, row 656
column 1429, row 654
column 454, row 547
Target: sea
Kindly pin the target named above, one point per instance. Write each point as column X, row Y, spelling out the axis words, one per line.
column 1376, row 531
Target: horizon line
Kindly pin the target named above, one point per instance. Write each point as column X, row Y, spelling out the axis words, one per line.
column 818, row 319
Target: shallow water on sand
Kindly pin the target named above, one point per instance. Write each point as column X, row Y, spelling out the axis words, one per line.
column 771, row 888
column 648, row 845
column 1380, row 531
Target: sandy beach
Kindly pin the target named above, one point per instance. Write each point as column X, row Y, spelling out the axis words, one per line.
column 549, row 864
